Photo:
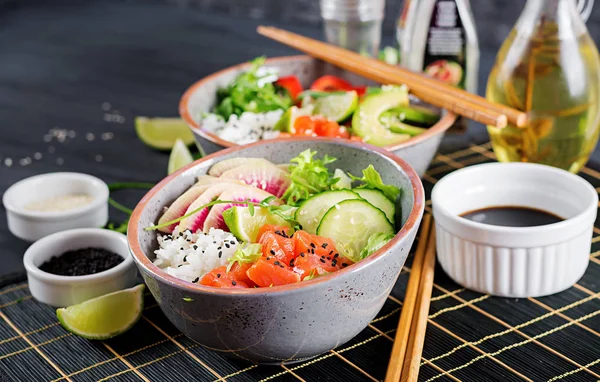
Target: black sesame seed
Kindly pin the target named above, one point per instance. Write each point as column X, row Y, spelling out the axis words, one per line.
column 214, row 242
column 328, row 257
column 195, row 247
column 218, row 248
column 226, row 245
column 179, row 265
column 220, row 254
column 334, row 262
column 272, row 252
column 233, row 283
column 276, row 262
column 344, row 265
column 302, row 254
column 313, row 245
column 218, row 275
column 335, row 256
column 268, row 258
column 330, row 252
column 184, row 258
column 322, row 260
column 196, row 280
column 181, row 249
column 324, row 245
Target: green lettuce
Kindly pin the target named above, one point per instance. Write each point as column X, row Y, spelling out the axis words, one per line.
column 372, row 179
column 246, row 253
column 309, row 176
column 375, row 243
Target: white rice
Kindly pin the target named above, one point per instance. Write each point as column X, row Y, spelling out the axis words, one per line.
column 247, row 128
column 189, row 256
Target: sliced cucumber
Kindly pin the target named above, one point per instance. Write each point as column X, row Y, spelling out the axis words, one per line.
column 312, row 210
column 379, row 200
column 344, row 181
column 351, row 225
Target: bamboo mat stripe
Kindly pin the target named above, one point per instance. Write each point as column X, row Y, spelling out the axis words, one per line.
column 470, row 336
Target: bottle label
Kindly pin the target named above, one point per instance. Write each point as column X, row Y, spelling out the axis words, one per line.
column 445, row 52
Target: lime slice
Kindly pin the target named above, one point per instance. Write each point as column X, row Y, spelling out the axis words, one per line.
column 105, row 316
column 337, row 107
column 180, row 156
column 286, row 122
column 162, row 133
column 245, row 227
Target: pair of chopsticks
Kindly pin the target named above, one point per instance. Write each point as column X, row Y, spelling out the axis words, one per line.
column 410, row 335
column 426, row 88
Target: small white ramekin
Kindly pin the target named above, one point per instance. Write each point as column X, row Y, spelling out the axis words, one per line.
column 33, row 225
column 61, row 291
column 513, row 261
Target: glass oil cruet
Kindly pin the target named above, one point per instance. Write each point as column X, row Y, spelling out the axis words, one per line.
column 549, row 67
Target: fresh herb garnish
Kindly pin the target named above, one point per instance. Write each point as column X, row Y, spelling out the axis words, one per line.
column 252, row 91
column 309, row 176
column 372, row 179
column 122, row 228
column 245, row 254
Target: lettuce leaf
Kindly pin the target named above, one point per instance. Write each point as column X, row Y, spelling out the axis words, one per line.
column 309, row 176
column 375, row 243
column 372, row 179
column 246, row 253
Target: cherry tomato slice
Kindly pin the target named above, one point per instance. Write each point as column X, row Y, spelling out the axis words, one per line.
column 331, row 83
column 291, row 84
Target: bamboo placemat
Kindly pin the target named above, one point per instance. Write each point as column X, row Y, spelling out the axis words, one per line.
column 470, row 336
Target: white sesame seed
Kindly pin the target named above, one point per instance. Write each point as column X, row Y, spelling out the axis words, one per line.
column 337, row 207
column 71, row 134
column 25, row 161
column 105, row 106
column 90, row 137
column 37, row 156
column 8, row 162
column 107, row 136
column 336, row 217
column 99, row 158
column 60, row 161
column 351, row 220
column 47, row 138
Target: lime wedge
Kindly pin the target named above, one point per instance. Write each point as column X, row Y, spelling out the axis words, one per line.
column 180, row 156
column 337, row 107
column 245, row 227
column 162, row 133
column 286, row 122
column 105, row 316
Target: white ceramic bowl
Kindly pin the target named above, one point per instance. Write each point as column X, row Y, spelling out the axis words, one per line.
column 60, row 291
column 32, row 225
column 512, row 261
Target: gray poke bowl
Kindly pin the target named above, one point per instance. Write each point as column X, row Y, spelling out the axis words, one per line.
column 287, row 323
column 202, row 95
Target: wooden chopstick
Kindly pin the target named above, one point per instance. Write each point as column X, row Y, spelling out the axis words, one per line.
column 408, row 307
column 428, row 89
column 412, row 359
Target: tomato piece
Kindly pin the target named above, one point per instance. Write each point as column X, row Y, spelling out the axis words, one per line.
column 279, row 230
column 291, row 84
column 360, row 90
column 331, row 83
column 220, row 278
column 277, row 246
column 266, row 273
column 326, row 128
column 304, row 125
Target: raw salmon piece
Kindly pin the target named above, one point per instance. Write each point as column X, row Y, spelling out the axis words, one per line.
column 279, row 230
column 277, row 246
column 266, row 273
column 220, row 278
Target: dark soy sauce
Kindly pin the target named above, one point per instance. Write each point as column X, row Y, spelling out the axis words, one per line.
column 512, row 216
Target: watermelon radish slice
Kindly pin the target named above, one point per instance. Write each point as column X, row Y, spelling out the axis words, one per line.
column 234, row 193
column 210, row 180
column 180, row 206
column 263, row 175
column 225, row 165
column 196, row 221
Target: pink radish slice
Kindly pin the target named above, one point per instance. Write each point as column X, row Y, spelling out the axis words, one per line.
column 210, row 180
column 237, row 193
column 180, row 206
column 196, row 221
column 263, row 175
column 225, row 165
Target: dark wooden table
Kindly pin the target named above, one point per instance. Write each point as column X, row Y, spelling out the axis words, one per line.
column 88, row 68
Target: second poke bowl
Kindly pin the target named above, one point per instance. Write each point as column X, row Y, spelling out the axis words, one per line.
column 273, row 252
column 301, row 96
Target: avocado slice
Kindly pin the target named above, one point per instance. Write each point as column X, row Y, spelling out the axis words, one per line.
column 366, row 123
column 412, row 115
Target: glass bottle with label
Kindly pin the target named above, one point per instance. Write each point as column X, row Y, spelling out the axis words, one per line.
column 438, row 37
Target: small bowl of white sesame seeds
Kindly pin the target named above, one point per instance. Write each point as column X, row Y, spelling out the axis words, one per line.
column 44, row 204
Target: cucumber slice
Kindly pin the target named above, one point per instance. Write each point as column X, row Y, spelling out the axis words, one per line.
column 351, row 225
column 412, row 115
column 379, row 200
column 312, row 210
column 245, row 226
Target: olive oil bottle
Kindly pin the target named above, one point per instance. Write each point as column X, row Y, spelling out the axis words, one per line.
column 549, row 67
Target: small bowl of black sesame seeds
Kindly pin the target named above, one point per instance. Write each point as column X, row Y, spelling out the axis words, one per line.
column 73, row 266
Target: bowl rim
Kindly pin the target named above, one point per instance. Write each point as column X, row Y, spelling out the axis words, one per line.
column 100, row 197
column 411, row 223
column 441, row 126
column 62, row 237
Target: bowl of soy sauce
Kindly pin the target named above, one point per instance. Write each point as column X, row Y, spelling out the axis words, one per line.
column 514, row 229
